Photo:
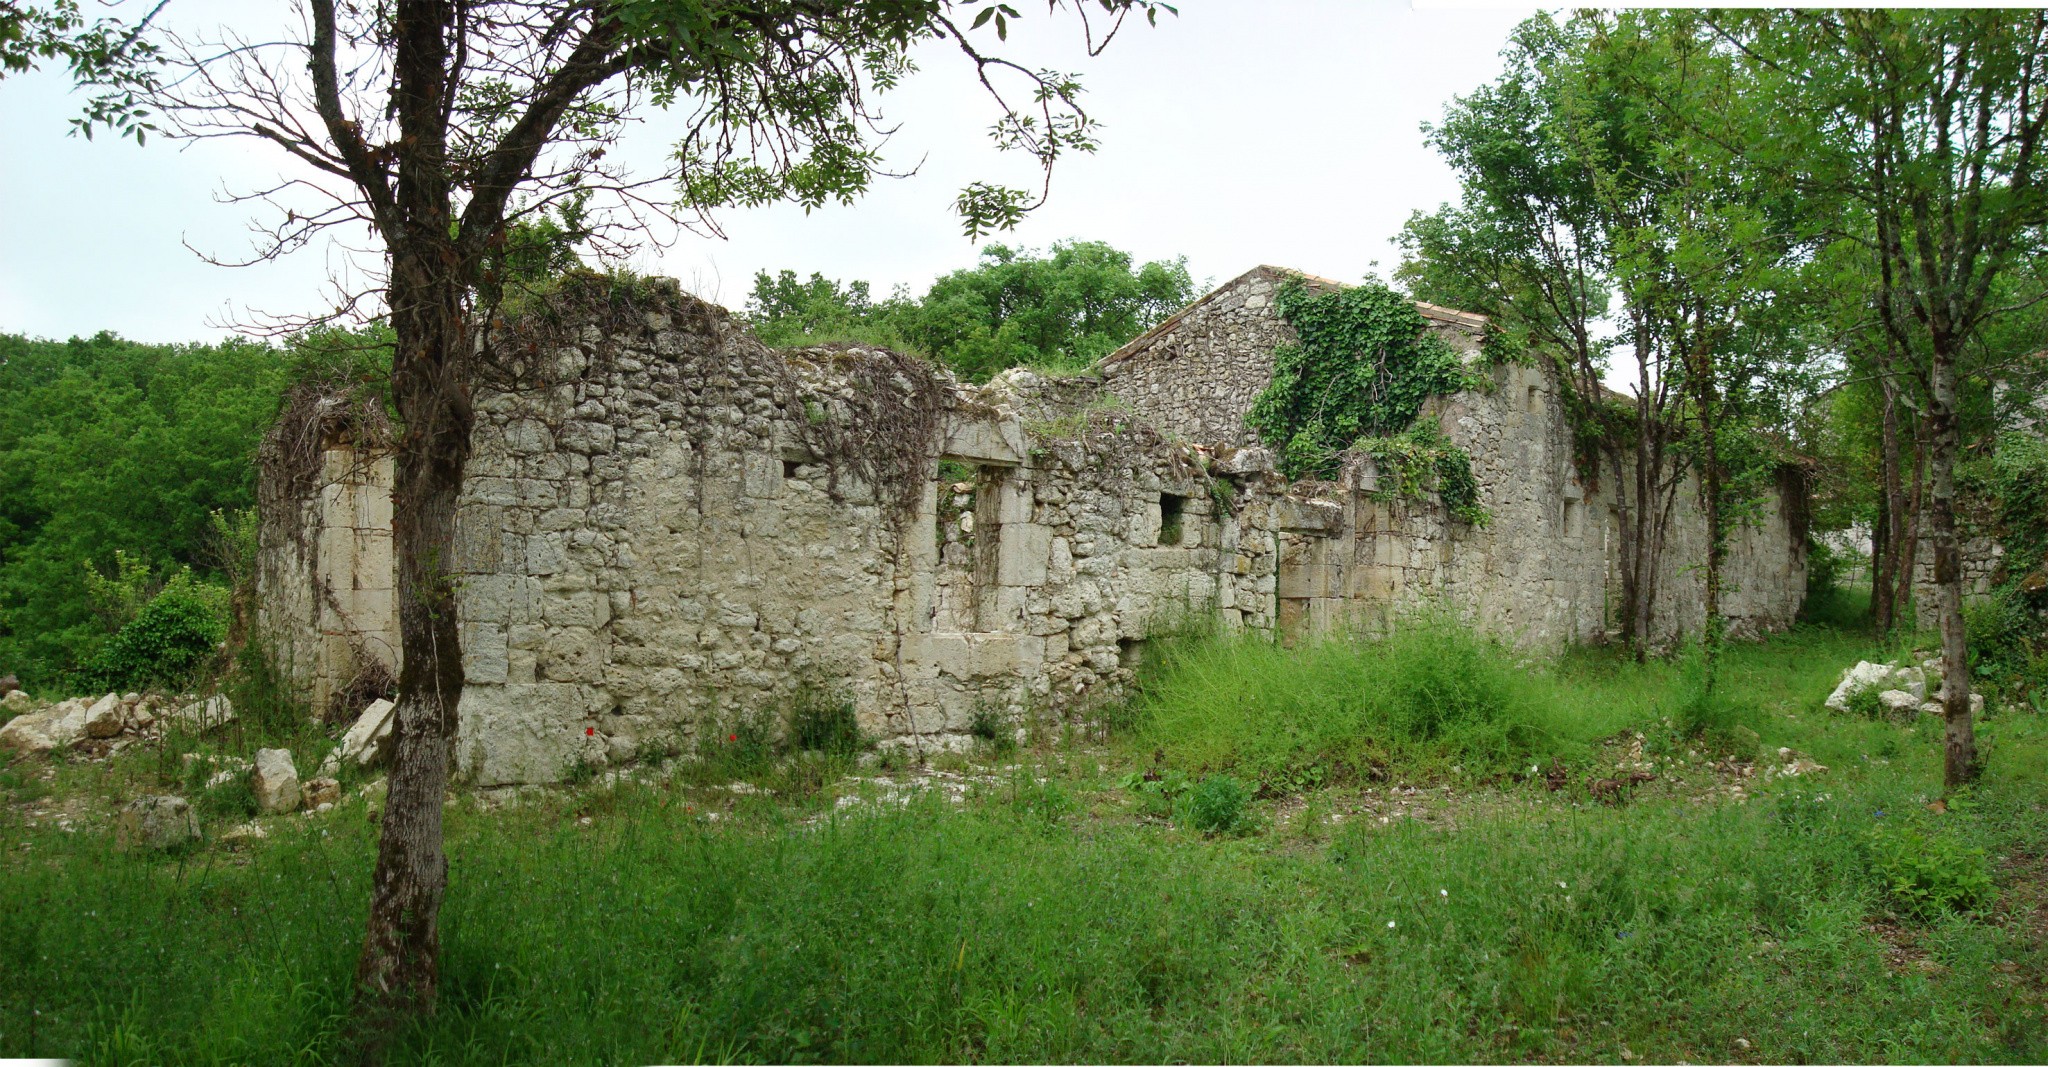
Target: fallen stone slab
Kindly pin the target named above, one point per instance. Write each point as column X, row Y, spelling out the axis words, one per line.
column 366, row 741
column 1864, row 675
column 40, row 731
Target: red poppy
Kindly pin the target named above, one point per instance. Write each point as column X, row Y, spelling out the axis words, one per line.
column 734, row 737
column 590, row 731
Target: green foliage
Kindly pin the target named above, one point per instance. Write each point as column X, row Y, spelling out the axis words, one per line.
column 988, row 726
column 1420, row 458
column 1219, row 805
column 1429, row 695
column 108, row 446
column 1365, row 364
column 2008, row 631
column 1715, row 714
column 1928, row 874
column 168, row 643
column 1060, row 310
column 1157, row 793
column 819, row 721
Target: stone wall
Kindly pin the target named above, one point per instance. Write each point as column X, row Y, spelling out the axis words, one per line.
column 325, row 579
column 667, row 525
column 1195, row 375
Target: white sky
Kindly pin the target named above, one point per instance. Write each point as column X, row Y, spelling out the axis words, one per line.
column 1242, row 132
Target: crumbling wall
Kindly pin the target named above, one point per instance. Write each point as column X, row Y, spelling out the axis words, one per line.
column 666, row 524
column 324, row 576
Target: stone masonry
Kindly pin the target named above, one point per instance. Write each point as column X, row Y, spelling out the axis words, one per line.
column 667, row 524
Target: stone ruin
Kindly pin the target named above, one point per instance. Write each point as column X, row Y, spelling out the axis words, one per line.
column 667, row 523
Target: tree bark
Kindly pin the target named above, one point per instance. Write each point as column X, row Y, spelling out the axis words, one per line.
column 1886, row 541
column 1959, row 749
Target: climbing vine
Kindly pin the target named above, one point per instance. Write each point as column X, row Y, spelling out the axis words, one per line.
column 1355, row 381
column 1410, row 461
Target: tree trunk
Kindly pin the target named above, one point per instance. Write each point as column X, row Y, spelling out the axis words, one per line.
column 1959, row 750
column 399, row 967
column 1906, row 528
column 1717, row 539
column 398, row 972
column 1886, row 542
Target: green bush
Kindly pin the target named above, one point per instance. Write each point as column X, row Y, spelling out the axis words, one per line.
column 1428, row 696
column 168, row 642
column 1217, row 806
column 1929, row 875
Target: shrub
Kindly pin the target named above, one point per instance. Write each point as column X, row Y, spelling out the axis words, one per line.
column 735, row 745
column 168, row 642
column 823, row 722
column 1217, row 806
column 988, row 727
column 1928, row 875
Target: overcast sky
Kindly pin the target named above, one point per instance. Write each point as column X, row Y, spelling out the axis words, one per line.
column 1242, row 132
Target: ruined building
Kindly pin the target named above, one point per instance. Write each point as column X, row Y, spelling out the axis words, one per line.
column 666, row 522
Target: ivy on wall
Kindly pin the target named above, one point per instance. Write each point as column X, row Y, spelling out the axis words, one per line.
column 1365, row 364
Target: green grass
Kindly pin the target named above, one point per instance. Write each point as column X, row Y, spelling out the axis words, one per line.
column 1046, row 921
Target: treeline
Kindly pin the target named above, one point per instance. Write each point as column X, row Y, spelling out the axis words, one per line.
column 1059, row 310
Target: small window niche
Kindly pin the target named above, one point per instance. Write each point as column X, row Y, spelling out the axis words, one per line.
column 789, row 469
column 1534, row 403
column 1172, row 518
column 1571, row 518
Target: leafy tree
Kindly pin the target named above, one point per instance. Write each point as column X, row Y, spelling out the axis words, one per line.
column 440, row 125
column 104, row 55
column 1061, row 310
column 1931, row 123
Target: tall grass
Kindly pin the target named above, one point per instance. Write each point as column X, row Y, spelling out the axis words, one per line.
column 1428, row 697
column 934, row 934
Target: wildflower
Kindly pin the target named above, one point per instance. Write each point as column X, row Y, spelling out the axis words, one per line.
column 590, row 731
column 1879, row 813
column 733, row 738
column 1561, row 885
column 1443, row 892
column 1390, row 924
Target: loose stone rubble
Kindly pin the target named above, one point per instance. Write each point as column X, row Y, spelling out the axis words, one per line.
column 666, row 523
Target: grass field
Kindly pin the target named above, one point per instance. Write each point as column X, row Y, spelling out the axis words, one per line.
column 1398, row 891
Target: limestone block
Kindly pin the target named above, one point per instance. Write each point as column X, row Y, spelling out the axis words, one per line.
column 484, row 653
column 761, row 475
column 1324, row 517
column 1023, row 553
column 586, row 609
column 997, row 441
column 275, row 781
column 526, row 437
column 103, row 719
column 571, row 654
column 589, row 438
column 161, row 822
column 516, row 734
column 545, row 554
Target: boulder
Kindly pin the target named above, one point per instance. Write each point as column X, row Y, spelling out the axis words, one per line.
column 203, row 715
column 18, row 702
column 275, row 781
column 1864, row 675
column 9, row 684
column 104, row 718
column 156, row 823
column 1909, row 680
column 320, row 791
column 52, row 727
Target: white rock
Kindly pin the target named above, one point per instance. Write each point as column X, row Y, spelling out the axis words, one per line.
column 366, row 741
column 1910, row 680
column 1899, row 701
column 1864, row 675
column 104, row 718
column 203, row 715
column 17, row 702
column 275, row 781
column 40, row 731
column 156, row 822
